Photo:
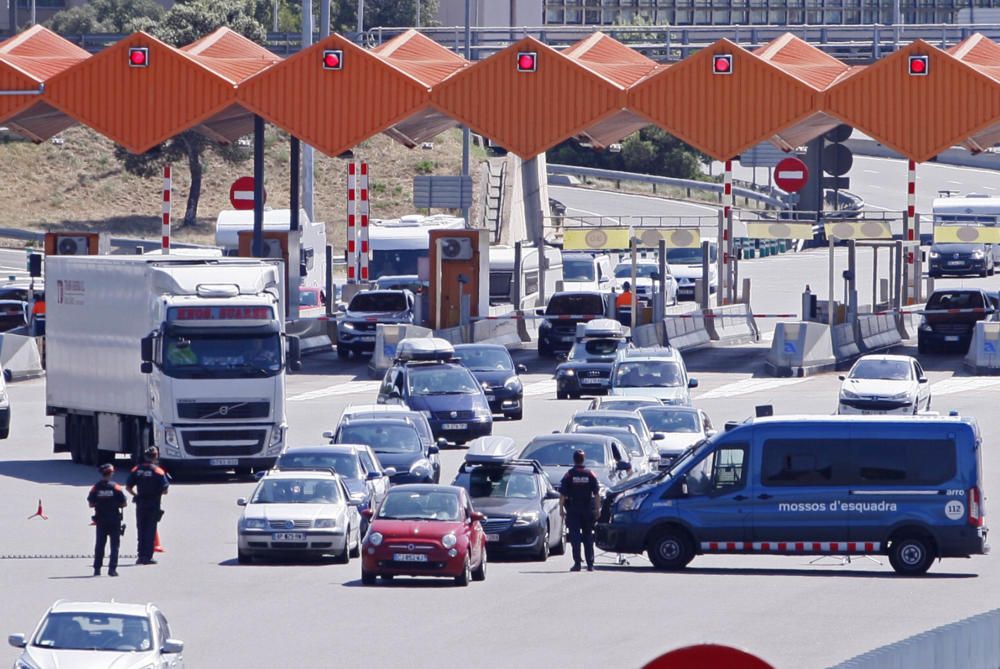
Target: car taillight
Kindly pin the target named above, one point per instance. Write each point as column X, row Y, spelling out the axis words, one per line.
column 975, row 508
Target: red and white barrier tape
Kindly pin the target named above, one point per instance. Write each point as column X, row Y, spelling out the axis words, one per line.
column 834, row 547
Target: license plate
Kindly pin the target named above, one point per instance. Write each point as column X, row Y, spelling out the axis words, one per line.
column 367, row 337
column 955, row 263
column 951, row 338
column 492, row 537
column 566, row 338
column 593, row 382
column 490, row 398
column 288, row 536
column 409, row 557
column 223, row 462
column 455, row 426
column 869, row 412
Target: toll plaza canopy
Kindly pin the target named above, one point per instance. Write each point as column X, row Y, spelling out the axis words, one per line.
column 527, row 97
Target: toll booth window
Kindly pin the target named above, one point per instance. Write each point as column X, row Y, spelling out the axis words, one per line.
column 795, row 462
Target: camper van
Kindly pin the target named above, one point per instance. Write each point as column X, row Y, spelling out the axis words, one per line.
column 502, row 274
column 972, row 208
column 398, row 244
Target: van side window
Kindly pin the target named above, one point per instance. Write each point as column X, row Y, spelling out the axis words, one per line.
column 903, row 462
column 791, row 462
column 719, row 472
column 530, row 283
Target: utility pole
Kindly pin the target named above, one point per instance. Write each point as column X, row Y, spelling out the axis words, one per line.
column 466, row 135
column 307, row 151
column 361, row 16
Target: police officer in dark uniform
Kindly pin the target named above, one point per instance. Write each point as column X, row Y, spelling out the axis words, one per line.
column 580, row 500
column 107, row 500
column 147, row 483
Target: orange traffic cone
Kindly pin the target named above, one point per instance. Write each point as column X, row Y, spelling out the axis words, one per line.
column 39, row 512
column 157, row 548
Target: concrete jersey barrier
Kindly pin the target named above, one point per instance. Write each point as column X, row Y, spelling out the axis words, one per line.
column 386, row 339
column 686, row 334
column 731, row 324
column 845, row 346
column 19, row 357
column 651, row 334
column 878, row 333
column 983, row 357
column 502, row 332
column 800, row 349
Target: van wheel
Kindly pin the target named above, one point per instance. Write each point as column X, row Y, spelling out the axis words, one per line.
column 670, row 549
column 911, row 555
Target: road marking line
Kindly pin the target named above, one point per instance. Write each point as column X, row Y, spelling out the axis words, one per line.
column 748, row 386
column 349, row 388
column 547, row 387
column 959, row 384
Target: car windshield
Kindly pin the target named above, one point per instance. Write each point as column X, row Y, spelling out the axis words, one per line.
column 560, row 453
column 486, row 482
column 642, row 271
column 296, row 491
column 375, row 301
column 94, row 631
column 627, row 422
column 420, row 505
column 578, row 269
column 649, row 374
column 442, row 381
column 485, row 359
column 396, row 262
column 666, row 420
column 568, row 305
column 202, row 356
column 345, row 464
column 628, row 439
column 688, row 256
column 956, row 300
column 887, row 370
column 308, row 298
column 385, row 438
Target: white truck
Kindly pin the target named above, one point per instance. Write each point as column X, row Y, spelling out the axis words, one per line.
column 185, row 353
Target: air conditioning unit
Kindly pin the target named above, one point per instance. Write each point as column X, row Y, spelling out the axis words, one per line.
column 272, row 248
column 72, row 245
column 456, row 248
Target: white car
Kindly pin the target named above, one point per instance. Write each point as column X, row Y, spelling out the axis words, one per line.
column 645, row 284
column 678, row 428
column 299, row 512
column 100, row 635
column 652, row 372
column 884, row 384
column 623, row 403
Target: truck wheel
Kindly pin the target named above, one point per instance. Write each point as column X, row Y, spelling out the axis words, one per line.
column 88, row 434
column 911, row 555
column 670, row 549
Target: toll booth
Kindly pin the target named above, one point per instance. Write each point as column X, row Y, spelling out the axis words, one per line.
column 459, row 263
column 77, row 243
column 279, row 245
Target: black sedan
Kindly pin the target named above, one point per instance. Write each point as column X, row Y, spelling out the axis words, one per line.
column 493, row 367
column 521, row 507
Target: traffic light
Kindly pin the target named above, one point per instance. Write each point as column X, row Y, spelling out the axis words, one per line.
column 527, row 61
column 138, row 56
column 333, row 59
column 920, row 66
column 722, row 64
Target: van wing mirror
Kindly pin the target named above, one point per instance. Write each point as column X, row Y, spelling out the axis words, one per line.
column 294, row 353
column 692, row 383
column 172, row 647
column 146, row 348
column 922, row 379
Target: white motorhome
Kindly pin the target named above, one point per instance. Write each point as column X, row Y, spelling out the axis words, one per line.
column 181, row 352
column 972, row 208
column 502, row 274
column 398, row 244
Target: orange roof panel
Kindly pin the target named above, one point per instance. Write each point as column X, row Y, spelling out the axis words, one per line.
column 140, row 107
column 917, row 116
column 334, row 110
column 803, row 61
column 723, row 115
column 528, row 112
column 983, row 55
column 611, row 59
column 27, row 61
column 231, row 55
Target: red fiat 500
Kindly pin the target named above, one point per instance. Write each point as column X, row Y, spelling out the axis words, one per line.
column 425, row 530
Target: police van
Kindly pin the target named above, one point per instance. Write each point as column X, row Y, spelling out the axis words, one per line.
column 910, row 488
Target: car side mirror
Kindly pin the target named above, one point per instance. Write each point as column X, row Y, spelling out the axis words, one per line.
column 389, row 471
column 540, row 311
column 172, row 647
column 258, row 475
column 17, row 640
column 354, row 502
column 623, row 466
column 146, row 368
column 242, row 501
column 442, row 443
column 711, row 433
column 478, row 516
column 842, row 377
column 328, row 435
column 552, row 494
column 394, row 393
column 433, row 450
column 521, row 369
column 373, row 476
column 367, row 513
column 922, row 379
column 657, row 436
column 692, row 383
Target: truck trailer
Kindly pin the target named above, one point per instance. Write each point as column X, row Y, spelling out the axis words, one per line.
column 188, row 354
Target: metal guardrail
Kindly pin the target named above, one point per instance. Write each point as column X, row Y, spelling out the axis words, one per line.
column 855, row 43
column 118, row 242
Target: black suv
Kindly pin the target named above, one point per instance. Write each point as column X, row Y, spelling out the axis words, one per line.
column 950, row 318
column 356, row 329
column 557, row 333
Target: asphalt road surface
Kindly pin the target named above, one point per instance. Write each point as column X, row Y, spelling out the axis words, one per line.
column 794, row 612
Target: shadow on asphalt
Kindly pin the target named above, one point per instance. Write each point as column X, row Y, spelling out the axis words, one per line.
column 407, row 582
column 822, row 571
column 746, row 358
column 326, row 364
column 52, row 471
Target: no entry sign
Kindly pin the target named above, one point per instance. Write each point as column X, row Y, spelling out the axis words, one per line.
column 241, row 193
column 791, row 175
column 707, row 655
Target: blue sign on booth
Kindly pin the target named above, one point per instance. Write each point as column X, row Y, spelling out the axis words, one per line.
column 789, row 347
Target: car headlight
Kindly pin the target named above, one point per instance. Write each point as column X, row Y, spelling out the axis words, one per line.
column 449, row 540
column 421, row 468
column 632, row 502
column 905, row 395
column 567, row 372
column 254, row 523
column 375, row 538
column 924, row 325
column 848, row 395
column 24, row 663
column 527, row 518
column 513, row 384
column 170, row 437
column 277, row 435
column 483, row 412
column 325, row 523
column 935, row 255
column 977, row 255
column 346, row 325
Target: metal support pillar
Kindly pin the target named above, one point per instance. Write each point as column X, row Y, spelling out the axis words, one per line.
column 720, row 270
column 329, row 280
column 466, row 133
column 852, row 282
column 324, row 19
column 518, row 260
column 705, row 299
column 293, row 185
column 831, row 301
column 899, row 276
column 661, row 298
column 633, row 251
column 307, row 151
column 874, row 278
column 258, row 186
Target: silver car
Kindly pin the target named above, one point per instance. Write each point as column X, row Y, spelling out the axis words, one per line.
column 299, row 513
column 100, row 635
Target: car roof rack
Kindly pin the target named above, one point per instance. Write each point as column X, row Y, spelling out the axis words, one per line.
column 536, row 466
column 304, row 468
